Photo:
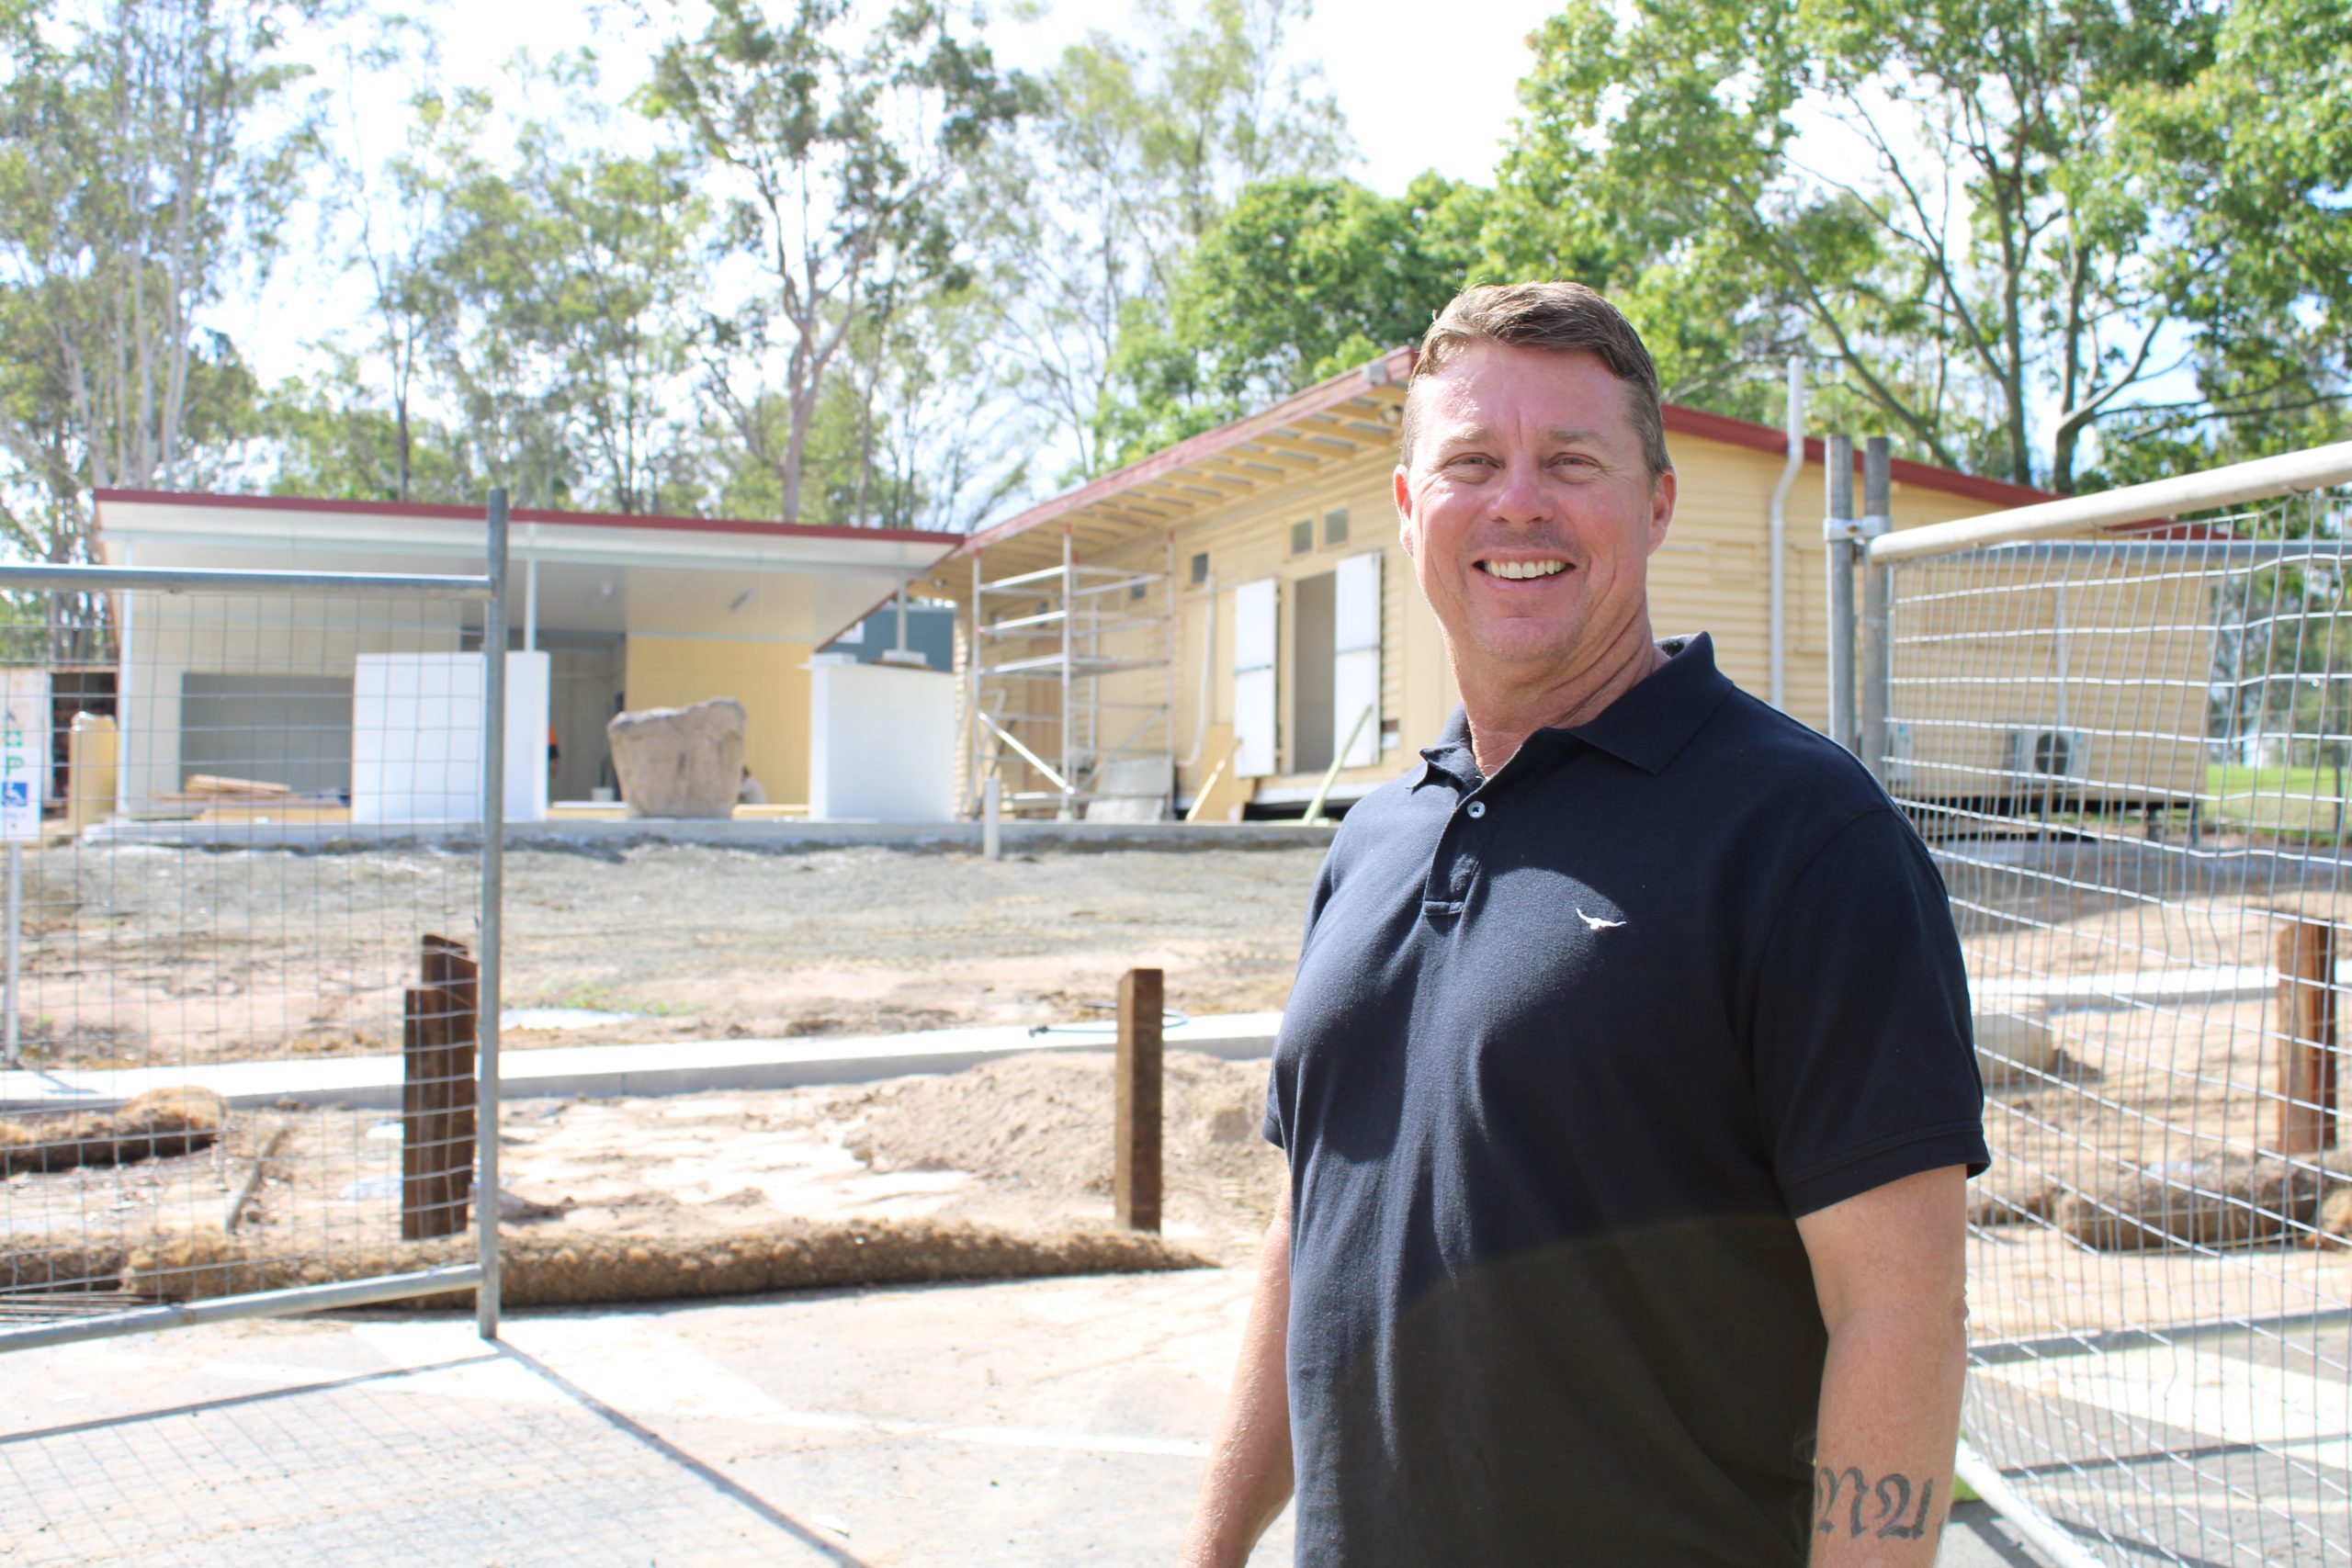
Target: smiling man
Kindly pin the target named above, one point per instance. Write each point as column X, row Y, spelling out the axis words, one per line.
column 1626, row 1084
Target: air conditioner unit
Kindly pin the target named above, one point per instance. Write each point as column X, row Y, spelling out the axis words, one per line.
column 2036, row 754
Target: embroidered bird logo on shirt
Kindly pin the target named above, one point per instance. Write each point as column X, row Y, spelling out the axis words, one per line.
column 1594, row 923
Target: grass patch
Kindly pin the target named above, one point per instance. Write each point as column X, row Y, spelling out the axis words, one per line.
column 2303, row 800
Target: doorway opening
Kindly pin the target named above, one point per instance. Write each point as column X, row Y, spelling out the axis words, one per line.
column 1314, row 652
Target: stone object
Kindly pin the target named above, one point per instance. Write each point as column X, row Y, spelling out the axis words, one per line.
column 1131, row 789
column 2228, row 1201
column 680, row 761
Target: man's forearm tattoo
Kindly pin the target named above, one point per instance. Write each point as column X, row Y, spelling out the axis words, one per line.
column 1846, row 1500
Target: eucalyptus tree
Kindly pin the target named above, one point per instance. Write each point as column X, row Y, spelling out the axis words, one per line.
column 2251, row 158
column 840, row 140
column 1928, row 193
column 149, row 153
column 1143, row 139
column 1305, row 277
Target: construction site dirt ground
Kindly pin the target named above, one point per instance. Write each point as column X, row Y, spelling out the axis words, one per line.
column 141, row 956
column 1053, row 1422
column 1021, row 1146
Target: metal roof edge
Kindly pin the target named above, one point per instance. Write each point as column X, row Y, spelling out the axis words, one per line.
column 1681, row 420
column 1395, row 367
column 1389, row 369
column 392, row 509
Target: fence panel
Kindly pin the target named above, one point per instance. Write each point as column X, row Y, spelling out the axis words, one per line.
column 2130, row 755
column 248, row 978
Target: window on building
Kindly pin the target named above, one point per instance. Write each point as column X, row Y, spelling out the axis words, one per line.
column 1302, row 536
column 1135, row 591
column 1335, row 526
column 1199, row 569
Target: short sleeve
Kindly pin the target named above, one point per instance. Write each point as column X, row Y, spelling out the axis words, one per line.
column 1864, row 1061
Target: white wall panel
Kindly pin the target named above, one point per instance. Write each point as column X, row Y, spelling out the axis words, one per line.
column 1355, row 675
column 1254, row 652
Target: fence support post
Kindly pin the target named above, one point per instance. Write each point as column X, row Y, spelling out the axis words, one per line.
column 1135, row 1169
column 1875, row 669
column 494, row 893
column 1838, row 533
column 2306, row 1037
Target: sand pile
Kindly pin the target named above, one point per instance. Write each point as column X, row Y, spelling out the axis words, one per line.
column 1044, row 1123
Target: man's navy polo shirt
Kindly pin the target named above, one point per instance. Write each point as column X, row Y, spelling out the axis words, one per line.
column 1568, row 1050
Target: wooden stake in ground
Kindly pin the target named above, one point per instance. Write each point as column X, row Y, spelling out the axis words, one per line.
column 2307, row 1043
column 1135, row 1171
column 437, row 1094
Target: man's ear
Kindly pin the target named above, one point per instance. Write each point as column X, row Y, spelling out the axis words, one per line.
column 1662, row 493
column 1406, row 531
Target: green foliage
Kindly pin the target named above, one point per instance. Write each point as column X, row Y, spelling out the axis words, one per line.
column 843, row 145
column 1141, row 142
column 831, row 263
column 331, row 438
column 2253, row 154
column 149, row 151
column 1983, row 255
column 1305, row 277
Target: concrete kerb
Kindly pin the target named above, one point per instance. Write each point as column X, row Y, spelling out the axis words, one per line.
column 672, row 1066
column 607, row 836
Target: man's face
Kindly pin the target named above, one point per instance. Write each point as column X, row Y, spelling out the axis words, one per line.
column 1529, row 514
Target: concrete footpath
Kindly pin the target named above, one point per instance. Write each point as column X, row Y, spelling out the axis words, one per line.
column 669, row 1067
column 1045, row 1422
column 683, row 1067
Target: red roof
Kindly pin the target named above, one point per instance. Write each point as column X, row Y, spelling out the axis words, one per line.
column 1394, row 369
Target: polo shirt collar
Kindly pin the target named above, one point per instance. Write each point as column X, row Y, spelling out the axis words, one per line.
column 1646, row 727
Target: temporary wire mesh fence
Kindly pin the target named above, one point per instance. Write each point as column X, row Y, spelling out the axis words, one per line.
column 2128, row 755
column 245, row 872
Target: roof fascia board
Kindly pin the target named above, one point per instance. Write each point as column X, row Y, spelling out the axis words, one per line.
column 421, row 511
column 1706, row 426
column 1317, row 427
column 1340, row 388
column 612, row 549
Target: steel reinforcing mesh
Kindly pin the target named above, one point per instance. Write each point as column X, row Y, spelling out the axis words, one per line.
column 2130, row 757
column 240, row 819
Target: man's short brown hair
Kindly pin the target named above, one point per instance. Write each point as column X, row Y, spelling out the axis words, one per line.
column 1566, row 317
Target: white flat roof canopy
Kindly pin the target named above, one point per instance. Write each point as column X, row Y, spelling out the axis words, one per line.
column 601, row 573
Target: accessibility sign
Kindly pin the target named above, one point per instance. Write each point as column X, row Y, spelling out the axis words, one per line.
column 24, row 753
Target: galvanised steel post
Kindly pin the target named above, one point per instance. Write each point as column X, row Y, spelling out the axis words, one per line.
column 1838, row 533
column 493, row 887
column 973, row 654
column 1877, row 665
column 1068, row 812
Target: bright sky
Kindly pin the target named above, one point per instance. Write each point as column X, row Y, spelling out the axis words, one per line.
column 1371, row 51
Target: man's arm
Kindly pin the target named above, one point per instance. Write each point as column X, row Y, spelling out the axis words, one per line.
column 1888, row 1267
column 1249, row 1476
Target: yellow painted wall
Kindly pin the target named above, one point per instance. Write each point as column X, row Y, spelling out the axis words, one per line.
column 770, row 679
column 1710, row 575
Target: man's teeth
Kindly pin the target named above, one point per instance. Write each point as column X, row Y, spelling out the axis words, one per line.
column 1524, row 568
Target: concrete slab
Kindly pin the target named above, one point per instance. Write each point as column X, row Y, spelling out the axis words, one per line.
column 759, row 834
column 1043, row 1422
column 669, row 1067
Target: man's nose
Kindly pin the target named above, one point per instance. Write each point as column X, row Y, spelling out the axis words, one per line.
column 1522, row 496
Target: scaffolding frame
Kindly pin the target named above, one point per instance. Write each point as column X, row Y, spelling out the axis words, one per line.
column 1050, row 755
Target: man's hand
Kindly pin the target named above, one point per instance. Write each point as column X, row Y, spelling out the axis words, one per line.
column 1889, row 1268
column 1249, row 1477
